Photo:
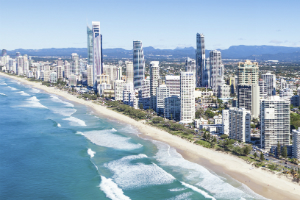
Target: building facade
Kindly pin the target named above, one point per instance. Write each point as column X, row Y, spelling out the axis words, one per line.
column 138, row 64
column 216, row 70
column 154, row 77
column 162, row 92
column 172, row 108
column 248, row 98
column 173, row 83
column 200, row 59
column 97, row 52
column 240, row 124
column 270, row 81
column 248, row 72
column 187, row 97
column 296, row 143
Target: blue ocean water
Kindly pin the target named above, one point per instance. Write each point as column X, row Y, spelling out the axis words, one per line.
column 51, row 148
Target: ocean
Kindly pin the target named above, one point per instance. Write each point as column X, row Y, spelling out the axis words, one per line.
column 51, row 148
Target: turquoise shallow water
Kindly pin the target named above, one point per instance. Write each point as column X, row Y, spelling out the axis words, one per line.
column 51, row 148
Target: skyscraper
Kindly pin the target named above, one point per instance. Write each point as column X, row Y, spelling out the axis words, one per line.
column 97, row 51
column 90, row 46
column 216, row 70
column 75, row 64
column 187, row 97
column 200, row 59
column 138, row 64
column 4, row 52
column 154, row 76
column 248, row 72
column 129, row 71
column 275, row 122
column 190, row 66
column 270, row 81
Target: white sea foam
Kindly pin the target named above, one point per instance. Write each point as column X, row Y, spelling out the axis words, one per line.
column 91, row 152
column 35, row 90
column 79, row 133
column 130, row 175
column 56, row 99
column 58, row 125
column 177, row 189
column 2, row 94
column 107, row 138
column 33, row 102
column 213, row 184
column 12, row 88
column 182, row 196
column 205, row 194
column 3, row 84
column 23, row 93
column 112, row 190
column 64, row 111
column 114, row 130
column 75, row 121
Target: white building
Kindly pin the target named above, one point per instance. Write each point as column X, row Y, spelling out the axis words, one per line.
column 240, row 124
column 173, row 83
column 262, row 89
column 144, row 94
column 129, row 71
column 128, row 88
column 190, row 66
column 162, row 92
column 275, row 122
column 103, row 86
column 73, row 80
column 224, row 91
column 296, row 143
column 154, row 76
column 97, row 51
column 216, row 70
column 286, row 93
column 199, row 122
column 225, row 121
column 119, row 87
column 187, row 97
column 90, row 76
column 59, row 70
column 53, row 77
column 270, row 81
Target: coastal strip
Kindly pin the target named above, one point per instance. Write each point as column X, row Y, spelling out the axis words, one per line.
column 262, row 182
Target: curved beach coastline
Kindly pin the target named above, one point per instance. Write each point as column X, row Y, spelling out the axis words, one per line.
column 260, row 181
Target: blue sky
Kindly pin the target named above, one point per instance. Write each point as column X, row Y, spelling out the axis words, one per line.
column 36, row 24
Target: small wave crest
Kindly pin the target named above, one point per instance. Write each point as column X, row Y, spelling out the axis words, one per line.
column 75, row 121
column 58, row 125
column 64, row 111
column 130, row 175
column 91, row 152
column 3, row 84
column 2, row 94
column 35, row 90
column 205, row 194
column 33, row 102
column 112, row 190
column 12, row 88
column 23, row 93
column 107, row 138
column 56, row 99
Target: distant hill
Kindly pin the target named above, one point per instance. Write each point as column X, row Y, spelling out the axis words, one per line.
column 234, row 52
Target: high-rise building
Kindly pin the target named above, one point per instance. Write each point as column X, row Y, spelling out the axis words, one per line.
column 138, row 64
column 59, row 70
column 173, row 83
column 97, row 52
column 275, row 122
column 200, row 58
column 75, row 64
column 119, row 87
column 90, row 46
column 225, row 121
column 119, row 73
column 172, row 107
column 90, row 75
column 162, row 92
column 240, row 124
column 187, row 97
column 248, row 72
column 262, row 89
column 190, row 66
column 270, row 81
column 286, row 93
column 4, row 52
column 248, row 98
column 129, row 71
column 206, row 79
column 216, row 70
column 224, row 91
column 296, row 143
column 154, row 76
column 144, row 94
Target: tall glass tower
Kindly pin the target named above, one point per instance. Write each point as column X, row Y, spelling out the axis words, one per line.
column 90, row 46
column 138, row 64
column 97, row 51
column 200, row 60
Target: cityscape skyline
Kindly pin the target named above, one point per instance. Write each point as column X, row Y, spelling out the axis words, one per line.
column 165, row 30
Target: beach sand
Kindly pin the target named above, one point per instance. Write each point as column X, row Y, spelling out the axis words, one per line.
column 260, row 181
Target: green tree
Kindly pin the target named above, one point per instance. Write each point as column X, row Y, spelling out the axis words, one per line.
column 278, row 149
column 255, row 155
column 157, row 120
column 214, row 140
column 204, row 135
column 262, row 157
column 224, row 136
column 199, row 113
column 284, row 152
column 247, row 150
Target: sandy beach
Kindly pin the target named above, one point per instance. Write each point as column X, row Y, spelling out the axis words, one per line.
column 260, row 181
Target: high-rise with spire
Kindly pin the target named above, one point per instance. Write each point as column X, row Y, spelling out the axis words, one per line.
column 200, row 60
column 90, row 45
column 97, row 51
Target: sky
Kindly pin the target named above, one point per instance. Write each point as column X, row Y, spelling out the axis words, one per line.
column 163, row 24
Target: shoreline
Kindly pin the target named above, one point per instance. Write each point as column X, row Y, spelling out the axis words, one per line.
column 260, row 181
